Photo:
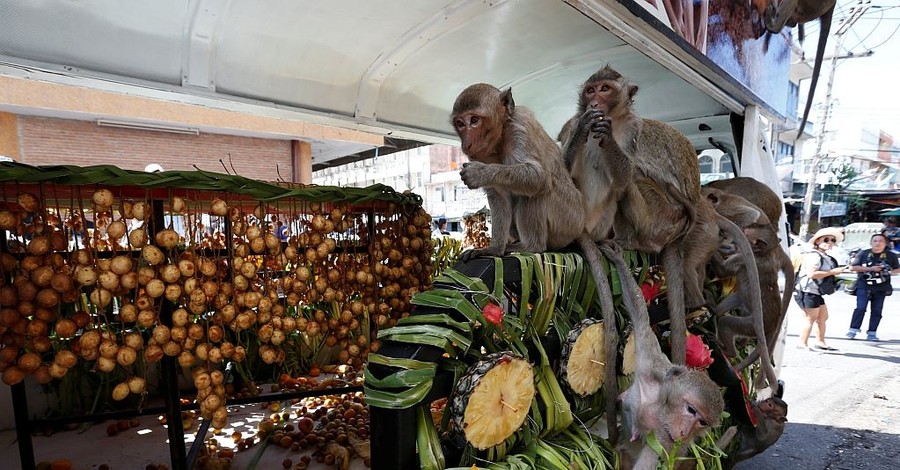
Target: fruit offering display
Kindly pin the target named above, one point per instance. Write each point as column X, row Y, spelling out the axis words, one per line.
column 521, row 340
column 104, row 272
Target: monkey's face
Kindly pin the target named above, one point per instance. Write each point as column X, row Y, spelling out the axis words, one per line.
column 762, row 238
column 606, row 93
column 773, row 409
column 693, row 403
column 479, row 134
column 602, row 95
column 479, row 115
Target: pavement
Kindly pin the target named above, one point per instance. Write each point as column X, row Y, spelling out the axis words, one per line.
column 844, row 405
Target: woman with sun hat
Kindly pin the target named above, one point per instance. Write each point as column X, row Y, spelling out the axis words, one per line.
column 816, row 265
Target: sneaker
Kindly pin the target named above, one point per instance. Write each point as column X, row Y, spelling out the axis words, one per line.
column 851, row 334
column 871, row 337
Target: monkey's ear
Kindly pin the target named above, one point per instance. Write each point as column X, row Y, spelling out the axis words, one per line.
column 712, row 194
column 507, row 99
column 632, row 90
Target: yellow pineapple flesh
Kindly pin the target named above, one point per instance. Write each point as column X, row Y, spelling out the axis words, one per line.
column 629, row 355
column 583, row 358
column 493, row 399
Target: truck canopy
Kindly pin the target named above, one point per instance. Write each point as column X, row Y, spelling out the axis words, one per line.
column 382, row 67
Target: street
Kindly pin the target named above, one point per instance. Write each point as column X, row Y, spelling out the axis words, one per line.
column 843, row 406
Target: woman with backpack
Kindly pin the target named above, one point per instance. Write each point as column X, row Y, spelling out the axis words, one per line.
column 874, row 267
column 815, row 279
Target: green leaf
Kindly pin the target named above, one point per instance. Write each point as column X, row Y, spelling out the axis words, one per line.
column 426, row 340
column 447, row 298
column 526, row 265
column 471, row 283
column 401, row 378
column 426, row 331
column 398, row 362
column 436, row 319
column 397, row 400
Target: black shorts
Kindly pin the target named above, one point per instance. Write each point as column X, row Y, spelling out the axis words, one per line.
column 807, row 300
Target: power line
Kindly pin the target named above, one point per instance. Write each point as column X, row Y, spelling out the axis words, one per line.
column 855, row 13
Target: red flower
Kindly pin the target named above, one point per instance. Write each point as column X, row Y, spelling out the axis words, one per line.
column 493, row 313
column 650, row 291
column 698, row 353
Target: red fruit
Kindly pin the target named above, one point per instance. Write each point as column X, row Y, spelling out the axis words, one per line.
column 493, row 313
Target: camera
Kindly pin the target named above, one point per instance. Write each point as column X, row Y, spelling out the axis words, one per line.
column 876, row 278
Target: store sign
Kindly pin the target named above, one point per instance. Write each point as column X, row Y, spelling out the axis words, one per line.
column 832, row 209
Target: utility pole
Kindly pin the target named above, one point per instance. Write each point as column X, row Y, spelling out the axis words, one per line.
column 855, row 13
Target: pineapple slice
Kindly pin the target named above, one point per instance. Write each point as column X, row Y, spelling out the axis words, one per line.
column 491, row 401
column 583, row 357
column 629, row 355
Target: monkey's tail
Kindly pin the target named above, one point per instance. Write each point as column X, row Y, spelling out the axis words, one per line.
column 610, row 330
column 673, row 264
column 675, row 279
column 690, row 208
column 631, row 295
column 824, row 28
column 787, row 269
column 755, row 296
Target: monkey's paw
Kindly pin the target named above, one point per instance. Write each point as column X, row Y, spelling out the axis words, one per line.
column 610, row 249
column 473, row 253
column 474, row 175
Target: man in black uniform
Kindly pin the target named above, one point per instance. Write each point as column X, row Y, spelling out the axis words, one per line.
column 874, row 267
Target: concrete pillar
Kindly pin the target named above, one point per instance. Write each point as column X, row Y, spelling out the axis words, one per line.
column 301, row 160
column 9, row 136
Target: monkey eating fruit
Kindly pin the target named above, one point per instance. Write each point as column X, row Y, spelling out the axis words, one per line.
column 674, row 403
column 534, row 205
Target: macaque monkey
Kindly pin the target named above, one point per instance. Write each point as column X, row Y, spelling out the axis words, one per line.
column 758, row 193
column 750, row 218
column 674, row 403
column 601, row 182
column 770, row 260
column 531, row 196
column 534, row 204
column 770, row 414
column 640, row 181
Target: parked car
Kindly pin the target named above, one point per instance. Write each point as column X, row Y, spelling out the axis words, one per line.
column 856, row 238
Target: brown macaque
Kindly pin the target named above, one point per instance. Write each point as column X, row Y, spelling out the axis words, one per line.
column 757, row 192
column 770, row 260
column 674, row 403
column 760, row 233
column 770, row 414
column 641, row 185
column 735, row 208
column 534, row 205
column 748, row 217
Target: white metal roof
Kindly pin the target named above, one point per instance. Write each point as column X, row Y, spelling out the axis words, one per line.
column 382, row 66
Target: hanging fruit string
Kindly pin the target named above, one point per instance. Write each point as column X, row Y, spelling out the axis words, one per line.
column 320, row 287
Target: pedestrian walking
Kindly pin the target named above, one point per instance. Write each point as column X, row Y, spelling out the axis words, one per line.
column 815, row 279
column 874, row 267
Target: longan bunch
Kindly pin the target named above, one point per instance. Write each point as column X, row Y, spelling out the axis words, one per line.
column 476, row 234
column 210, row 385
column 40, row 283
